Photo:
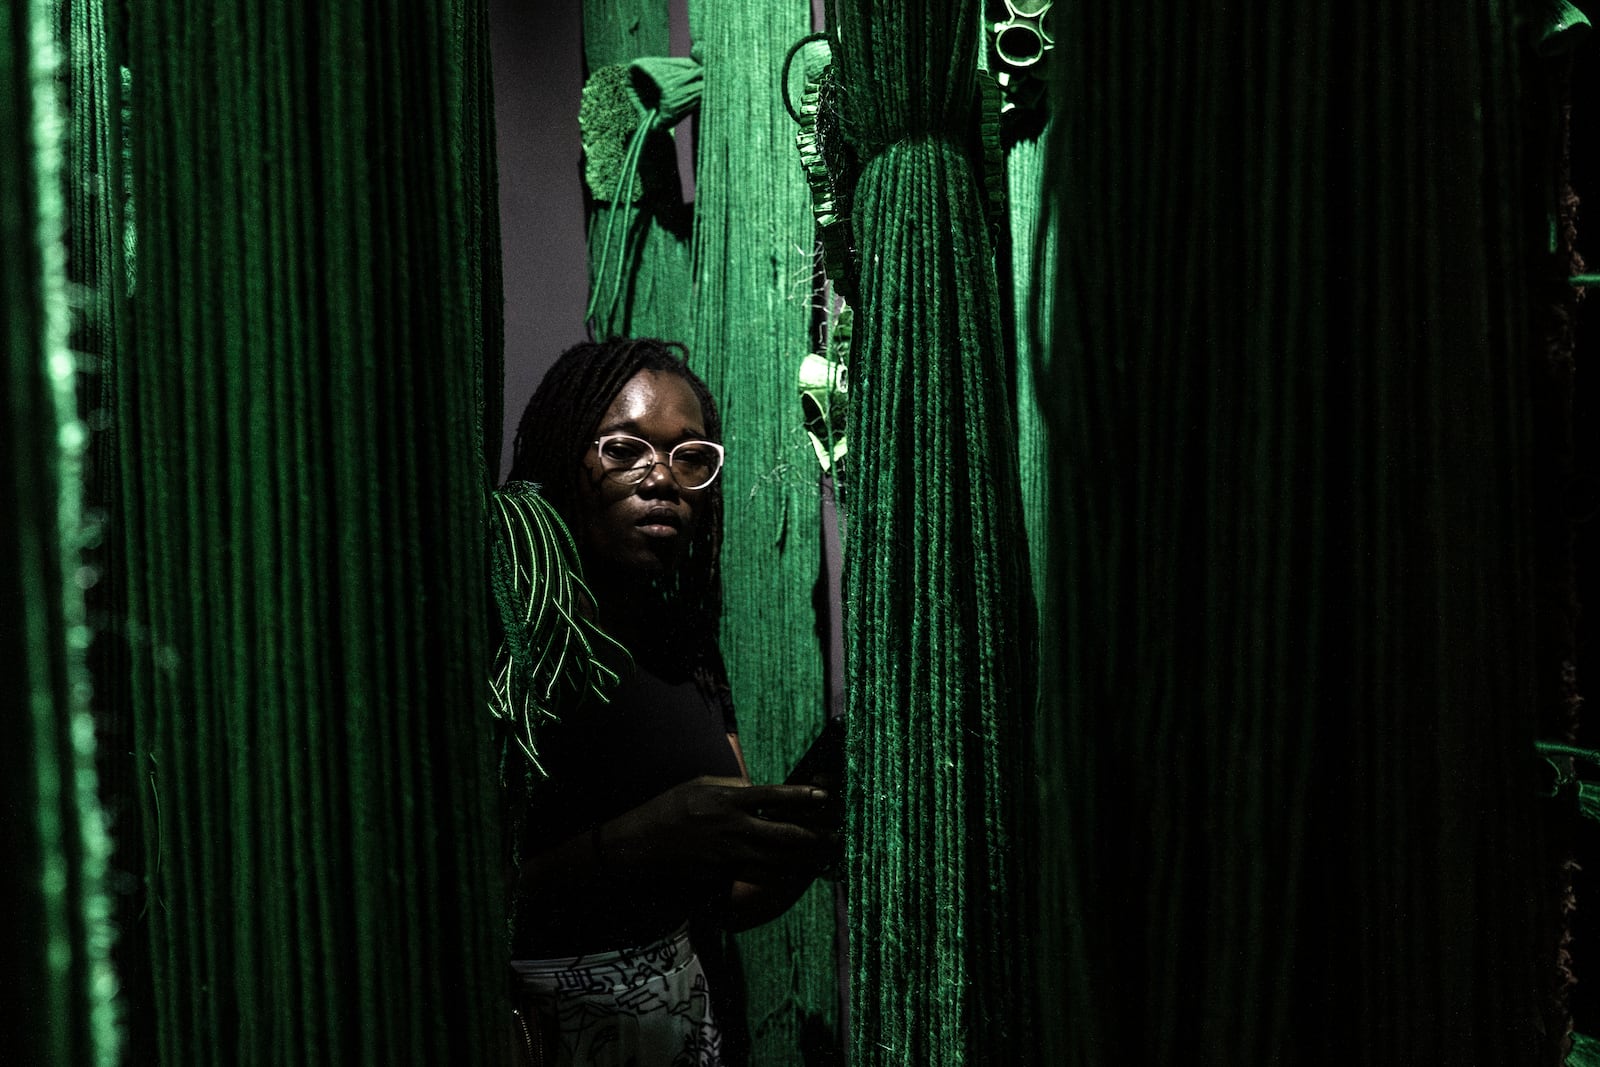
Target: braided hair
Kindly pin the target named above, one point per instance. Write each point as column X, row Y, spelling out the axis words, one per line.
column 555, row 432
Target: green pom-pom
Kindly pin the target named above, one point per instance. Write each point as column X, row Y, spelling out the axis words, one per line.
column 608, row 117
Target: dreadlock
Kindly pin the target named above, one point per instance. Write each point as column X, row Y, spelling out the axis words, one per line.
column 557, row 427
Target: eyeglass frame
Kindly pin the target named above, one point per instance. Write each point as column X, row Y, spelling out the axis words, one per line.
column 644, row 469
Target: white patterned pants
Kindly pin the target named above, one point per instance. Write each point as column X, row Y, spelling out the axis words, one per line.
column 636, row 1007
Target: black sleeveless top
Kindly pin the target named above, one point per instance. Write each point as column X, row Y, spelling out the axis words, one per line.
column 658, row 731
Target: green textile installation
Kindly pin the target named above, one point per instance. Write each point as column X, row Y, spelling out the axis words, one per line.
column 753, row 313
column 643, row 289
column 53, row 834
column 939, row 607
column 1291, row 683
column 302, row 428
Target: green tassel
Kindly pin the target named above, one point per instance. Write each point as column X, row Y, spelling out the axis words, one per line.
column 668, row 88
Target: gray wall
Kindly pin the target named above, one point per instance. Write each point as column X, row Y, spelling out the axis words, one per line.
column 538, row 76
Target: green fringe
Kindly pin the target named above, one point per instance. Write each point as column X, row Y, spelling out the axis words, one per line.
column 551, row 650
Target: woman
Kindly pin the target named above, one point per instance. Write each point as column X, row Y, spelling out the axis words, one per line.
column 648, row 818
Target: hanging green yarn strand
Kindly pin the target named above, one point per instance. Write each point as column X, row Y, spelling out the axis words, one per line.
column 1291, row 682
column 609, row 291
column 54, row 834
column 302, row 445
column 753, row 320
column 549, row 649
column 938, row 596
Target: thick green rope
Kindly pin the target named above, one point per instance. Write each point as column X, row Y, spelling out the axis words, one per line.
column 940, row 624
column 753, row 326
column 53, row 834
column 304, row 530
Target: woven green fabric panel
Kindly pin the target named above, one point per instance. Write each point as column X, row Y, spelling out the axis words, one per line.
column 300, row 419
column 940, row 622
column 53, row 835
column 753, row 316
column 643, row 292
column 1291, row 686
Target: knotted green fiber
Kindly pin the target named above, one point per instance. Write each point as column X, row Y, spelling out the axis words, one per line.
column 667, row 87
column 940, row 622
column 639, row 239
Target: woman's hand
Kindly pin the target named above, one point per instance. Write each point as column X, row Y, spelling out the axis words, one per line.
column 777, row 834
column 753, row 833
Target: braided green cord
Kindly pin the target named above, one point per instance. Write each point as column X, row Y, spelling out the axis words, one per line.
column 940, row 621
column 625, row 177
column 552, row 650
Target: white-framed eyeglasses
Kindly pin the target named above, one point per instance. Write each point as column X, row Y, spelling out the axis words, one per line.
column 693, row 464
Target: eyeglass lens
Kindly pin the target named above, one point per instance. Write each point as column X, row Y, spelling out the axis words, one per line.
column 693, row 463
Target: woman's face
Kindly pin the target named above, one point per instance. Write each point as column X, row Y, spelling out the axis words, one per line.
column 642, row 528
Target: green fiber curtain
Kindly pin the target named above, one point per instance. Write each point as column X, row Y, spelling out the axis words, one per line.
column 753, row 314
column 301, row 424
column 52, row 833
column 1290, row 676
column 939, row 606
